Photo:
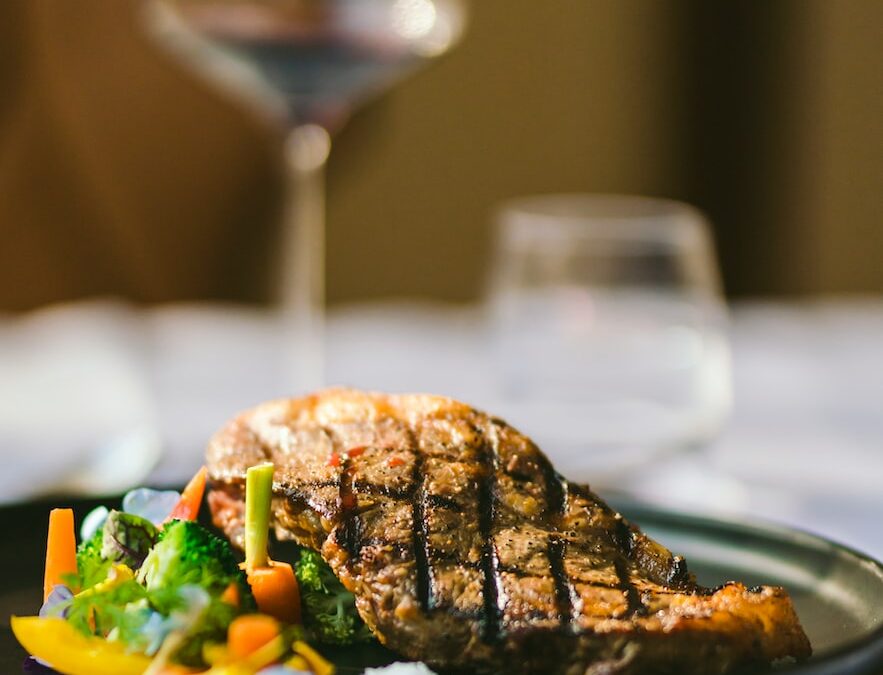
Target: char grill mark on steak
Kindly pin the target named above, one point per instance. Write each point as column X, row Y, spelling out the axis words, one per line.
column 634, row 603
column 469, row 550
column 563, row 589
column 622, row 550
column 492, row 614
column 451, row 477
column 422, row 553
column 349, row 533
column 624, row 544
column 556, row 499
column 678, row 574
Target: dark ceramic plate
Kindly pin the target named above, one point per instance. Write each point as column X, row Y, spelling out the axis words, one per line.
column 838, row 592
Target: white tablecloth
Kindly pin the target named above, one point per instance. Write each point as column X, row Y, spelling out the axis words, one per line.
column 804, row 446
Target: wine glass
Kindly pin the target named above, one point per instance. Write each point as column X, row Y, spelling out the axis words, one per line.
column 308, row 64
column 609, row 329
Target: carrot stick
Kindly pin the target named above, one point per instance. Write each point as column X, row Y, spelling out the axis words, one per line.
column 61, row 549
column 187, row 507
column 250, row 632
column 231, row 594
column 276, row 591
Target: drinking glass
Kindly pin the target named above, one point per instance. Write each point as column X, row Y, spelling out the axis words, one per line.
column 307, row 64
column 609, row 329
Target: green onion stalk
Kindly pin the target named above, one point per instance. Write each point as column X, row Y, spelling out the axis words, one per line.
column 258, row 496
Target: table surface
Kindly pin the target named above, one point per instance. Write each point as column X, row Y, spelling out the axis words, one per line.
column 804, row 445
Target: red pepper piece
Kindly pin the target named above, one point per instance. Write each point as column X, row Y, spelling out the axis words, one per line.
column 187, row 507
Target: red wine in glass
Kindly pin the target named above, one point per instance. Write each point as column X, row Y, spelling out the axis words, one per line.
column 314, row 61
column 326, row 57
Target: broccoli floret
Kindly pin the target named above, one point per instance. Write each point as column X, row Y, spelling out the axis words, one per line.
column 92, row 567
column 181, row 559
column 329, row 609
column 187, row 553
column 127, row 538
column 313, row 572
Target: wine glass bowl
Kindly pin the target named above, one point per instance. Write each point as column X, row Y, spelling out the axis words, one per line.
column 609, row 328
column 326, row 56
column 309, row 63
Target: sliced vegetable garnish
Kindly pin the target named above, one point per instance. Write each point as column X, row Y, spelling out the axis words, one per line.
column 171, row 598
column 187, row 553
column 276, row 591
column 267, row 655
column 91, row 567
column 296, row 665
column 187, row 507
column 317, row 664
column 119, row 574
column 127, row 538
column 250, row 632
column 258, row 497
column 101, row 610
column 273, row 583
column 58, row 602
column 154, row 505
column 231, row 594
column 58, row 643
column 61, row 550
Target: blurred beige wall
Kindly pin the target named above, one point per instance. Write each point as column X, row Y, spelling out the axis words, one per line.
column 768, row 115
column 540, row 97
column 120, row 174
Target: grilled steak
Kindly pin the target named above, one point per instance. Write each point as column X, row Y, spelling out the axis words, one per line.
column 465, row 549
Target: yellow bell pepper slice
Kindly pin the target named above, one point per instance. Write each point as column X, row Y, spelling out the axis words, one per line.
column 318, row 665
column 215, row 654
column 264, row 656
column 298, row 662
column 117, row 576
column 70, row 652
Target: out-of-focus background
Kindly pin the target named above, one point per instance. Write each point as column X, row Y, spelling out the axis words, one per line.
column 139, row 228
column 122, row 174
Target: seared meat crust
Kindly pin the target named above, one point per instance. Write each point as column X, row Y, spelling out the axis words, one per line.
column 465, row 549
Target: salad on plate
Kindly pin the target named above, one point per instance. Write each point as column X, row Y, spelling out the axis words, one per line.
column 151, row 591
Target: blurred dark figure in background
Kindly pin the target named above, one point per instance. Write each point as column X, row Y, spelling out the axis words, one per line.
column 120, row 174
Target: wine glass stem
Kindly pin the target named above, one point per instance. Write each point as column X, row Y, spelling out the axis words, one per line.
column 301, row 281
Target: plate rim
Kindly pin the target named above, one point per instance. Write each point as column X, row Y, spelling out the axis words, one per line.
column 763, row 528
